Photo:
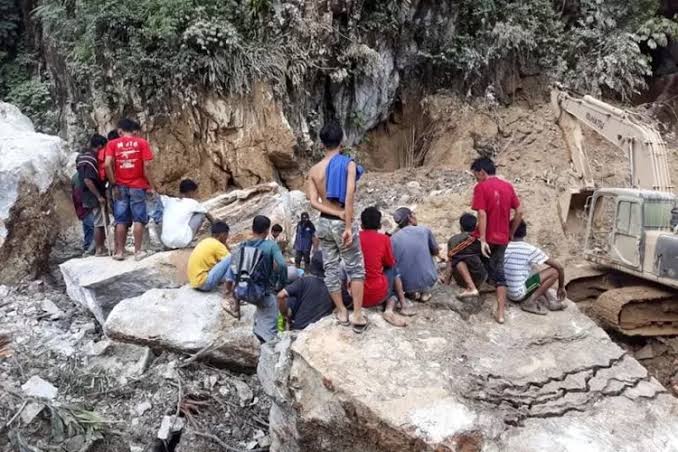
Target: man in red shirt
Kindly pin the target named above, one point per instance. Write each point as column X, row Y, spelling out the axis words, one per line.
column 127, row 168
column 382, row 281
column 493, row 199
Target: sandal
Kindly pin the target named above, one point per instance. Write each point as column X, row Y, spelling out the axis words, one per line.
column 468, row 294
column 342, row 322
column 359, row 328
column 555, row 305
column 118, row 257
column 139, row 255
column 425, row 297
column 533, row 307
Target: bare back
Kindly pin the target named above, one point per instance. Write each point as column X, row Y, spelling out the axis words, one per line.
column 316, row 185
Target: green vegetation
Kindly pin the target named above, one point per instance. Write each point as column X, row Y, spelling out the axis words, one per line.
column 168, row 51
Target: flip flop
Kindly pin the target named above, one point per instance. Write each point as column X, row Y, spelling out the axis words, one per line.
column 425, row 297
column 341, row 322
column 360, row 329
column 555, row 305
column 533, row 307
column 140, row 255
column 118, row 257
column 468, row 294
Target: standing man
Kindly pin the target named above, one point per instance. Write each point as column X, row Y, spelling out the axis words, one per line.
column 493, row 199
column 127, row 167
column 93, row 189
column 303, row 241
column 331, row 189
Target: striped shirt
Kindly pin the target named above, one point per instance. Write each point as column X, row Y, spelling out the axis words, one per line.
column 520, row 261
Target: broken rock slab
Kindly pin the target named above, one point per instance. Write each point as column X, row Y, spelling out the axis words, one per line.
column 99, row 283
column 444, row 384
column 187, row 321
column 37, row 387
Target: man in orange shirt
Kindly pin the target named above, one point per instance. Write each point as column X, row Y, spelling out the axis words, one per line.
column 127, row 167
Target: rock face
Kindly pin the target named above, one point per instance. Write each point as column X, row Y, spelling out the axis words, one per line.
column 238, row 207
column 31, row 171
column 220, row 142
column 445, row 384
column 187, row 321
column 99, row 283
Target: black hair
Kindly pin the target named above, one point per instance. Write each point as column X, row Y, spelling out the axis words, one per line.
column 521, row 231
column 187, row 185
column 331, row 134
column 219, row 228
column 484, row 164
column 316, row 267
column 113, row 135
column 468, row 222
column 260, row 224
column 277, row 228
column 304, row 214
column 128, row 125
column 371, row 218
column 97, row 141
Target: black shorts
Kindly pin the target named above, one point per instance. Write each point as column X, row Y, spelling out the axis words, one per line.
column 495, row 265
column 475, row 267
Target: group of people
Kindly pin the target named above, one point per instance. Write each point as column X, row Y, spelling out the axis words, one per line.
column 113, row 178
column 343, row 268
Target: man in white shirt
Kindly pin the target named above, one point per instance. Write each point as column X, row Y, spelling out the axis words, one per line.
column 530, row 273
column 182, row 216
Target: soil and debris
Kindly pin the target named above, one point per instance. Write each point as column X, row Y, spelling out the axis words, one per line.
column 64, row 386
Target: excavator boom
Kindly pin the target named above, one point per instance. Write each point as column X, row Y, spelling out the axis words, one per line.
column 643, row 145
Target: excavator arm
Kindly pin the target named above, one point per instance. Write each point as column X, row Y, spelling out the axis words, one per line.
column 644, row 147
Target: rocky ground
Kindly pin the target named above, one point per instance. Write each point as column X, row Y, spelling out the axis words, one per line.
column 109, row 396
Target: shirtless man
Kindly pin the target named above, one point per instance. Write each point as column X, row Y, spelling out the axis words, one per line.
column 331, row 189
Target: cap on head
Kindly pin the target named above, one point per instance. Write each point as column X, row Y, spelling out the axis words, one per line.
column 402, row 216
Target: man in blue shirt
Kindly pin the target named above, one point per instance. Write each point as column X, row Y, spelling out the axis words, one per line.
column 303, row 241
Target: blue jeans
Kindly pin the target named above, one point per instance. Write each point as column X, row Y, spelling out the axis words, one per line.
column 218, row 273
column 88, row 230
column 265, row 318
column 130, row 207
column 155, row 209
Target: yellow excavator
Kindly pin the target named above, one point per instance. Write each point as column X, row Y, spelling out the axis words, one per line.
column 629, row 234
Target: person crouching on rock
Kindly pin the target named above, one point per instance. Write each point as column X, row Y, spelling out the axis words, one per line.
column 182, row 217
column 383, row 286
column 465, row 261
column 127, row 168
column 415, row 247
column 210, row 260
column 528, row 285
column 257, row 269
column 307, row 299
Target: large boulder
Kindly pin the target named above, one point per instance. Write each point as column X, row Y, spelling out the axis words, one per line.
column 188, row 321
column 99, row 283
column 31, row 172
column 446, row 384
column 238, row 207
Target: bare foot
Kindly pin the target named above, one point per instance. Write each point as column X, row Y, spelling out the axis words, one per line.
column 394, row 319
column 499, row 318
column 407, row 309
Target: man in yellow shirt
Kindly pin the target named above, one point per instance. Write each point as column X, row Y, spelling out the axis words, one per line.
column 210, row 260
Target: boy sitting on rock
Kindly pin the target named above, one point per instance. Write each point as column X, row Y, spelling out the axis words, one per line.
column 528, row 285
column 210, row 260
column 464, row 259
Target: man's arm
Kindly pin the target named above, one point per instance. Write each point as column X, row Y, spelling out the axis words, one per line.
column 482, row 231
column 317, row 204
column 515, row 222
column 282, row 303
column 279, row 262
column 432, row 244
column 110, row 173
column 148, row 175
column 561, row 276
column 91, row 186
column 350, row 196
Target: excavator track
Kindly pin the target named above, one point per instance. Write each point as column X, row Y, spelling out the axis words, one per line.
column 639, row 310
